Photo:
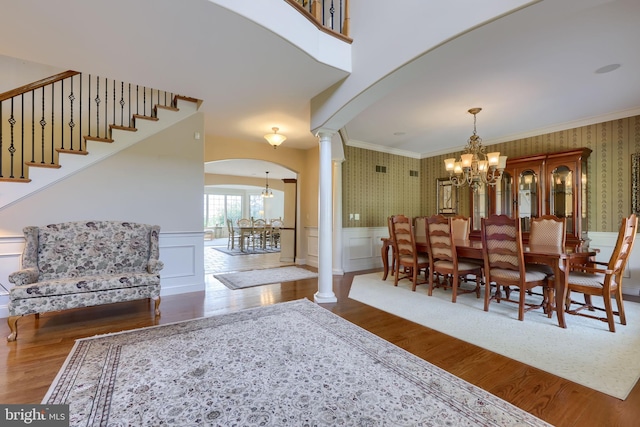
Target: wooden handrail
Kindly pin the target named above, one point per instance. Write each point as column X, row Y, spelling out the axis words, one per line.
column 36, row 85
column 315, row 17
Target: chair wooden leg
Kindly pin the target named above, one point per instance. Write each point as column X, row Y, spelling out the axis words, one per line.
column 157, row 305
column 12, row 321
column 430, row 292
column 455, row 281
column 620, row 304
column 487, row 295
column 551, row 297
column 609, row 310
column 523, row 294
column 415, row 272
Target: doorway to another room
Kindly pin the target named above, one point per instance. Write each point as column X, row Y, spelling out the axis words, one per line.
column 253, row 193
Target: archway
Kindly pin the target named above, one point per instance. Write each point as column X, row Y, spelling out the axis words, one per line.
column 234, row 189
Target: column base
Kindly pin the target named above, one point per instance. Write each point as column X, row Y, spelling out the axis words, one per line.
column 324, row 298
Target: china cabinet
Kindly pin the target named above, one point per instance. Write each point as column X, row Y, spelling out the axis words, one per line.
column 531, row 186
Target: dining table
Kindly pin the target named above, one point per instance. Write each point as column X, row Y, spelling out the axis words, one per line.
column 245, row 231
column 558, row 258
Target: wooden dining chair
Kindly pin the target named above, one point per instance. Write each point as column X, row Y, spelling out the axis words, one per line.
column 245, row 232
column 604, row 279
column 259, row 233
column 273, row 238
column 409, row 263
column 460, row 227
column 547, row 230
column 504, row 263
column 394, row 249
column 233, row 235
column 443, row 258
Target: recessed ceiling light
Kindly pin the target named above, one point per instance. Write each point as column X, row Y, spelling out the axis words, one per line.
column 399, row 133
column 607, row 68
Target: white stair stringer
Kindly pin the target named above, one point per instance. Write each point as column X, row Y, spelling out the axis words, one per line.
column 41, row 178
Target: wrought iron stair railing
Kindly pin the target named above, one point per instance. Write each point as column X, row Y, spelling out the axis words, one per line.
column 59, row 114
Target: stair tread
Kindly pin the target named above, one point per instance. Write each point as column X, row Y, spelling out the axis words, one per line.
column 64, row 150
column 127, row 128
column 140, row 116
column 187, row 98
column 95, row 138
column 15, row 179
column 42, row 165
column 166, row 107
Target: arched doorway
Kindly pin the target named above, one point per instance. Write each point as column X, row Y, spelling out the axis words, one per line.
column 234, row 189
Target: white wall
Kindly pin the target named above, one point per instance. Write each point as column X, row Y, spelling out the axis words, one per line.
column 156, row 181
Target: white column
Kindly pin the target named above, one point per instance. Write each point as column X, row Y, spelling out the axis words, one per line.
column 325, row 230
column 337, row 217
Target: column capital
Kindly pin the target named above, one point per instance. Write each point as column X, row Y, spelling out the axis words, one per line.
column 325, row 133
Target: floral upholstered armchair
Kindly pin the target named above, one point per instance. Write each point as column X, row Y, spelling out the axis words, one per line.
column 82, row 264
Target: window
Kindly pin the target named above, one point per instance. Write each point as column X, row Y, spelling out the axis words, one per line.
column 220, row 207
column 256, row 206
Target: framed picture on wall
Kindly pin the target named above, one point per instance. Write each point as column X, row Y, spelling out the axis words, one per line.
column 447, row 196
column 635, row 183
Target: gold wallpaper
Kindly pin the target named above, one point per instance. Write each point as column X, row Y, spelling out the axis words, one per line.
column 375, row 195
column 609, row 173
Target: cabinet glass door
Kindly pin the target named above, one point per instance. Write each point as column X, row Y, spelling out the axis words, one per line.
column 504, row 195
column 527, row 198
column 561, row 194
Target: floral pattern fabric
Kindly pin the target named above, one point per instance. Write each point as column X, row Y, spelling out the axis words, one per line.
column 84, row 263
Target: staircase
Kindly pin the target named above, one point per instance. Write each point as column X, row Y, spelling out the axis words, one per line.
column 55, row 127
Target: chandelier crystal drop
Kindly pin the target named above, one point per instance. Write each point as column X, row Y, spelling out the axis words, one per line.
column 476, row 167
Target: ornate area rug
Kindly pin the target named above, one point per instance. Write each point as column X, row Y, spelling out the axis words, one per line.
column 289, row 364
column 585, row 353
column 247, row 279
column 250, row 251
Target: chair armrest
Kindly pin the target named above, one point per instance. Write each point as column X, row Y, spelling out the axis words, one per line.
column 24, row 277
column 586, row 269
column 154, row 266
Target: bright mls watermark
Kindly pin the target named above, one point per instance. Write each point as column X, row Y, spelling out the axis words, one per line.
column 34, row 415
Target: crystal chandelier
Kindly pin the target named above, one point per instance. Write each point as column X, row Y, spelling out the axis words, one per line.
column 266, row 193
column 475, row 167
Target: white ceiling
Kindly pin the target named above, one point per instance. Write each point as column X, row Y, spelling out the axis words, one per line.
column 532, row 71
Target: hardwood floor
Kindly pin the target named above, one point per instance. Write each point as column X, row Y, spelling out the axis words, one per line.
column 29, row 365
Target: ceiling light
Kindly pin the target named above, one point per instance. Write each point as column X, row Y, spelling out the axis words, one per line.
column 266, row 193
column 476, row 168
column 275, row 138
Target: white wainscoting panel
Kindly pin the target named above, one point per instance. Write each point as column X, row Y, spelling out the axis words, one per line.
column 10, row 253
column 183, row 258
column 312, row 246
column 362, row 246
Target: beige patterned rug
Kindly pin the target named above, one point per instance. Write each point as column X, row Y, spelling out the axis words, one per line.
column 288, row 364
column 250, row 278
column 585, row 353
